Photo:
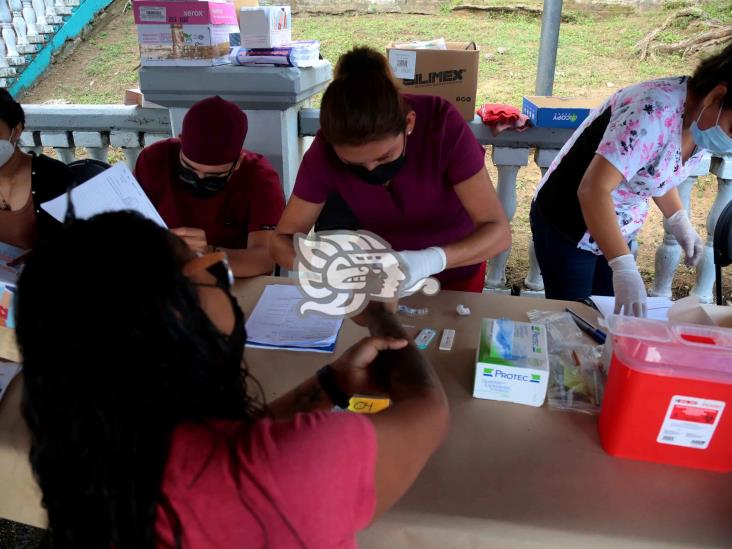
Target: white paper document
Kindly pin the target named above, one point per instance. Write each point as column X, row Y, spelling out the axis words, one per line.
column 276, row 324
column 8, row 370
column 657, row 306
column 112, row 190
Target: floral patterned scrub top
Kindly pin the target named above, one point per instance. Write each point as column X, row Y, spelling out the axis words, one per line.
column 638, row 130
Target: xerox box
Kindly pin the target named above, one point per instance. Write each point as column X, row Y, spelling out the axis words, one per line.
column 184, row 33
column 450, row 73
column 558, row 112
column 512, row 363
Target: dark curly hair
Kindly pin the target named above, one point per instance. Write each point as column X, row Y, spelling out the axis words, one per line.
column 117, row 352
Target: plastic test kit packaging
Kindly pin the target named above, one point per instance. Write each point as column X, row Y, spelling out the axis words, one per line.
column 512, row 362
column 668, row 394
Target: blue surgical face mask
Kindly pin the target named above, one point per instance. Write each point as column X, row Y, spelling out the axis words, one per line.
column 713, row 139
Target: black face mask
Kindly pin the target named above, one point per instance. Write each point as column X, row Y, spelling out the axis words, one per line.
column 381, row 173
column 203, row 187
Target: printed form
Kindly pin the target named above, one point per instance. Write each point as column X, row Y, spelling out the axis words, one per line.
column 276, row 324
column 112, row 190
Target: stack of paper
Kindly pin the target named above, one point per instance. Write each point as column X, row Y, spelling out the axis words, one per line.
column 276, row 324
column 8, row 370
column 657, row 307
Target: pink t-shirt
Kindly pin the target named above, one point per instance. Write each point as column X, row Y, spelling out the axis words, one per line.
column 306, row 482
column 421, row 209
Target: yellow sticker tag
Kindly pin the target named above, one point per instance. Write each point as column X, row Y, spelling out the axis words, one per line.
column 368, row 405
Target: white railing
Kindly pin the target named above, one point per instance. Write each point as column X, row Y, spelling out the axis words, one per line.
column 25, row 25
column 96, row 128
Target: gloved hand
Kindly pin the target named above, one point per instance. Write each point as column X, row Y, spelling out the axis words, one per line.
column 421, row 264
column 689, row 240
column 630, row 290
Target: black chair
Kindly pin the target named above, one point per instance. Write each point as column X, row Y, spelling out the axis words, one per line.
column 336, row 215
column 85, row 169
column 82, row 170
column 722, row 247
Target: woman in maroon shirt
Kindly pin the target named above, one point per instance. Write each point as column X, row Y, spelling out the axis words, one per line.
column 409, row 169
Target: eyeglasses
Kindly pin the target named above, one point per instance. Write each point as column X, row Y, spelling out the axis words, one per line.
column 209, row 182
column 216, row 265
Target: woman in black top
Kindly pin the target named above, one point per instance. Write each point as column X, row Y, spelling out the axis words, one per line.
column 26, row 181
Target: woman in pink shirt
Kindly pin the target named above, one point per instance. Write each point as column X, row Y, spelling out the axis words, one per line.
column 146, row 431
column 408, row 168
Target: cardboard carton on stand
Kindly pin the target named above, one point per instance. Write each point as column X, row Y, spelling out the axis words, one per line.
column 184, row 33
column 450, row 73
column 265, row 26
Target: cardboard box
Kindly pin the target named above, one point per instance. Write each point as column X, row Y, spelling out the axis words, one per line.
column 184, row 33
column 451, row 74
column 512, row 363
column 559, row 112
column 691, row 311
column 239, row 4
column 265, row 26
column 134, row 96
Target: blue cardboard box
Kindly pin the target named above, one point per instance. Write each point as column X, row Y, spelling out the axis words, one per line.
column 558, row 112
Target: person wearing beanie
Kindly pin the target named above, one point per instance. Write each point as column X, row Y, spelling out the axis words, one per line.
column 211, row 192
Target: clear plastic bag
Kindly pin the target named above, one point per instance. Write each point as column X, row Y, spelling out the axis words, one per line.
column 576, row 378
column 435, row 44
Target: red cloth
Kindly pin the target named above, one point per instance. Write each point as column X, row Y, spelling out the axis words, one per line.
column 474, row 284
column 422, row 208
column 251, row 201
column 266, row 485
column 502, row 117
column 213, row 132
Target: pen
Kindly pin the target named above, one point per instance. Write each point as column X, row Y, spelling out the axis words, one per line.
column 586, row 327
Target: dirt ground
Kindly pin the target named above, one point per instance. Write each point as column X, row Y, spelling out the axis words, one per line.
column 100, row 68
column 702, row 198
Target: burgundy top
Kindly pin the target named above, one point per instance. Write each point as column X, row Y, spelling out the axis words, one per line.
column 251, row 201
column 421, row 208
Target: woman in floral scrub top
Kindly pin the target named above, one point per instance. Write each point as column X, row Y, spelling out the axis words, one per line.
column 642, row 143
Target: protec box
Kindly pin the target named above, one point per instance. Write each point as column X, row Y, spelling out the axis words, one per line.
column 668, row 394
column 558, row 112
column 512, row 363
column 187, row 33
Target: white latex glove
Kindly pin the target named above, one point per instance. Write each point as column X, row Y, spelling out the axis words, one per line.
column 689, row 240
column 630, row 290
column 421, row 264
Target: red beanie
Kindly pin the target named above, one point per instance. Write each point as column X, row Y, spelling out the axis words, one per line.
column 213, row 132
